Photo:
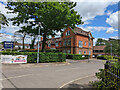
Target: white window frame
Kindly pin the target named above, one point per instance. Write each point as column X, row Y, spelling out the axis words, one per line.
column 68, row 51
column 69, row 42
column 67, row 33
column 56, row 44
column 64, row 43
column 85, row 43
column 80, row 44
column 80, row 52
column 49, row 45
column 89, row 44
column 89, row 52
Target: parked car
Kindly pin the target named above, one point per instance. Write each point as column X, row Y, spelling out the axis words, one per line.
column 21, row 51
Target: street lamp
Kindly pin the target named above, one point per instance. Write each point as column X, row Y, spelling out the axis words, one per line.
column 38, row 44
column 32, row 20
column 88, row 46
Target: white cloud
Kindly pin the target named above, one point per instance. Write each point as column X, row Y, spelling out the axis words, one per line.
column 113, row 20
column 109, row 12
column 108, row 30
column 114, row 37
column 91, row 8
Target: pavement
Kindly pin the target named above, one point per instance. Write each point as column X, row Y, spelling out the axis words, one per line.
column 72, row 74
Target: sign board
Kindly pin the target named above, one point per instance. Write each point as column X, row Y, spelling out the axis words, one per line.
column 8, row 44
column 14, row 59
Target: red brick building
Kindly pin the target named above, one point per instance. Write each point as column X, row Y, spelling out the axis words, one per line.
column 98, row 50
column 75, row 41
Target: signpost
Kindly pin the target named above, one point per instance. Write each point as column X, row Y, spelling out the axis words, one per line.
column 8, row 45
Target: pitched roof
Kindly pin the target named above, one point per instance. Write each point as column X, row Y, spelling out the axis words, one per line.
column 53, row 40
column 98, row 47
column 21, row 44
column 82, row 32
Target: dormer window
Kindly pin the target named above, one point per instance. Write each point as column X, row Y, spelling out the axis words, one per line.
column 67, row 33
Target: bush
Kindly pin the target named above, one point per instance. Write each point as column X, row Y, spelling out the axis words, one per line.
column 77, row 57
column 44, row 57
column 69, row 56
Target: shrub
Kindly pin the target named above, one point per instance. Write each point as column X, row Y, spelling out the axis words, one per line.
column 44, row 57
column 77, row 57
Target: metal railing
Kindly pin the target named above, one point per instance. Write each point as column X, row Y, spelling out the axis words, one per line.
column 112, row 76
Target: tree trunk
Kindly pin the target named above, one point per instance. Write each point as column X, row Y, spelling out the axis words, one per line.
column 44, row 42
column 23, row 41
column 32, row 43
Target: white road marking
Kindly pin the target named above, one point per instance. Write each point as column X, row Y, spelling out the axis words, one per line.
column 16, row 76
column 74, row 80
column 67, row 69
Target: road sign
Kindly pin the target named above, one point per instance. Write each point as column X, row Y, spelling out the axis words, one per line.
column 8, row 44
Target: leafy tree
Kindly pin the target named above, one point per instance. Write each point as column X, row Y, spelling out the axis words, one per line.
column 115, row 47
column 3, row 20
column 101, row 42
column 53, row 16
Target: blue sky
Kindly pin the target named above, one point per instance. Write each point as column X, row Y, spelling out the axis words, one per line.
column 100, row 21
column 101, row 18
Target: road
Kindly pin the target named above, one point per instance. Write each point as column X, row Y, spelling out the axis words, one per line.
column 49, row 75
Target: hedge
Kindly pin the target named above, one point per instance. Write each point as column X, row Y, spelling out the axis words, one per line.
column 107, row 57
column 76, row 56
column 44, row 57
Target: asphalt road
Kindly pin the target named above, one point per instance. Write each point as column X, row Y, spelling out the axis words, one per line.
column 49, row 75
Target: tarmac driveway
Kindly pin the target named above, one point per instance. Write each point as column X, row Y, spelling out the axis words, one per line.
column 48, row 75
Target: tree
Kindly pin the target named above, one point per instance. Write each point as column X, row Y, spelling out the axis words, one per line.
column 3, row 20
column 115, row 47
column 101, row 42
column 53, row 16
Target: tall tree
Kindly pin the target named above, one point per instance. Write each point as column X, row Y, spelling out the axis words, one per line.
column 3, row 20
column 112, row 45
column 53, row 16
column 101, row 42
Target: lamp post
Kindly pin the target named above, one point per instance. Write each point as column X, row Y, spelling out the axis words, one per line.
column 38, row 44
column 88, row 47
column 32, row 20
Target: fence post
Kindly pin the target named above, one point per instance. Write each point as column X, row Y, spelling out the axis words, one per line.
column 105, row 73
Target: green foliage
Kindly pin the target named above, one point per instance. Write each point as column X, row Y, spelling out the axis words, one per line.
column 106, row 78
column 44, row 57
column 115, row 47
column 53, row 16
column 76, row 56
column 108, row 57
column 3, row 20
column 101, row 42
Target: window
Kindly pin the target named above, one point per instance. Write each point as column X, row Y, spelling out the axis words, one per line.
column 84, row 52
column 69, row 42
column 80, row 52
column 68, row 51
column 56, row 44
column 67, row 33
column 80, row 44
column 89, row 52
column 89, row 44
column 64, row 44
column 85, row 43
column 49, row 45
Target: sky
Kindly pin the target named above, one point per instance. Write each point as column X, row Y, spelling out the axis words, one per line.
column 99, row 17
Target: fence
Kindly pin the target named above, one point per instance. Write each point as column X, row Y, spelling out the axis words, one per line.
column 112, row 76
